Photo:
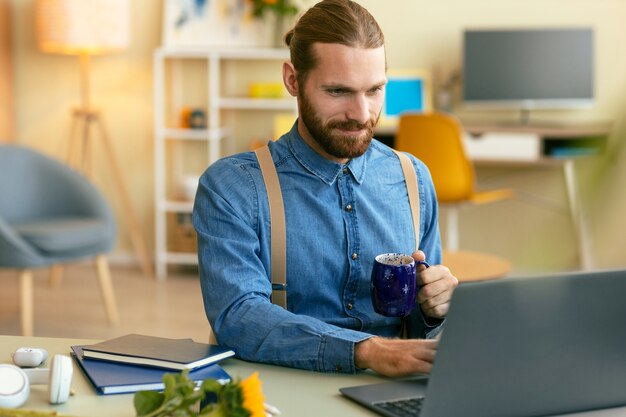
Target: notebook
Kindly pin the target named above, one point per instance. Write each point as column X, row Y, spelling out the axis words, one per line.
column 518, row 347
column 118, row 378
column 161, row 352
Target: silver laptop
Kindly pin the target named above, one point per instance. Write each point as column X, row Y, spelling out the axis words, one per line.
column 521, row 347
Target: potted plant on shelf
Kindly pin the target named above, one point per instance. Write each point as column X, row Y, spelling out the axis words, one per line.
column 278, row 10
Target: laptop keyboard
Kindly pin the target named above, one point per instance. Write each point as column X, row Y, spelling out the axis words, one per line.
column 409, row 407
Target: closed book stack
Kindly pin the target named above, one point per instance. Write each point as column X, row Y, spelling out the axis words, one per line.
column 119, row 378
column 159, row 352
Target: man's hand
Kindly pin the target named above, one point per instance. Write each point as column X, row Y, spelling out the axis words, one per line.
column 436, row 287
column 396, row 357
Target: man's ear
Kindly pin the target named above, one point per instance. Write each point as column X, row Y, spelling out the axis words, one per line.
column 290, row 79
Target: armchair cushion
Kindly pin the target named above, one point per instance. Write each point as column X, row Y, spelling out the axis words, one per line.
column 49, row 213
column 62, row 237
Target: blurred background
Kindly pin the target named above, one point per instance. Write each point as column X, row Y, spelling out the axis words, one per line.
column 534, row 230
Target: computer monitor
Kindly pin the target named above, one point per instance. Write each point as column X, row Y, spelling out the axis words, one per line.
column 528, row 68
column 406, row 91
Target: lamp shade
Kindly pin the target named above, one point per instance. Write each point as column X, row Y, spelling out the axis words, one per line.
column 82, row 26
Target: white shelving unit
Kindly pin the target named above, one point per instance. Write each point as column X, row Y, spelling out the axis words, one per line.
column 218, row 135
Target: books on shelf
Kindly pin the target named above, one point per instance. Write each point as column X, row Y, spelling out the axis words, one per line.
column 175, row 354
column 119, row 378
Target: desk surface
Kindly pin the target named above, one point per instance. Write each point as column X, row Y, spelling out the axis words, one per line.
column 599, row 128
column 294, row 392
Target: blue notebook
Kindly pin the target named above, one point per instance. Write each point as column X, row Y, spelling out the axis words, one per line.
column 118, row 378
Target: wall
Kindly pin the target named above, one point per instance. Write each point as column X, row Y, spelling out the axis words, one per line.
column 427, row 34
column 47, row 89
column 534, row 230
column 6, row 74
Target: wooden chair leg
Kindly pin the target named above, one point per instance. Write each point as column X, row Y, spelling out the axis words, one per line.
column 27, row 302
column 56, row 274
column 106, row 289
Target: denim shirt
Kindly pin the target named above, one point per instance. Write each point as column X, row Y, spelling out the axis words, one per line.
column 338, row 218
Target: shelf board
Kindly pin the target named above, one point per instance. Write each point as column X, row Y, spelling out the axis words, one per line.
column 257, row 103
column 180, row 258
column 196, row 134
column 176, row 206
column 254, row 53
column 227, row 53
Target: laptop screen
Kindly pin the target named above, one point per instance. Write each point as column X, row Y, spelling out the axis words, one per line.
column 531, row 346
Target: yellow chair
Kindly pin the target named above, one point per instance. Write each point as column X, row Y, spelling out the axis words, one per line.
column 435, row 138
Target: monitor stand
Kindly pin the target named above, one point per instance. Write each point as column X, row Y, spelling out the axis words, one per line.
column 524, row 122
column 524, row 116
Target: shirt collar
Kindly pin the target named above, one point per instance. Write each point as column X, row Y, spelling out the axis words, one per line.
column 323, row 168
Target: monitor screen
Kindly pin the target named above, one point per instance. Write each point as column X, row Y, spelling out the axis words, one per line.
column 404, row 94
column 406, row 91
column 534, row 68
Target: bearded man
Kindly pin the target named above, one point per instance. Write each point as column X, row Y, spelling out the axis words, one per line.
column 345, row 201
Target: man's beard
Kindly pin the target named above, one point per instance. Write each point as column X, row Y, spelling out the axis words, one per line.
column 334, row 142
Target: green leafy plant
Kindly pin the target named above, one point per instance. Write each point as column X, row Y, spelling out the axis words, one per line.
column 180, row 398
column 279, row 7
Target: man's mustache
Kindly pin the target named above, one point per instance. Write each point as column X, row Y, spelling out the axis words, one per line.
column 351, row 125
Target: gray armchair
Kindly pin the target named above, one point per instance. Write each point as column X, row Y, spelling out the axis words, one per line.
column 50, row 215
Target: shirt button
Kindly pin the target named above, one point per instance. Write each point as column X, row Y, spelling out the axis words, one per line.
column 345, row 170
column 349, row 207
column 355, row 256
column 349, row 306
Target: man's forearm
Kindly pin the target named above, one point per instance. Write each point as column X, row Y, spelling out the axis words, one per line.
column 262, row 332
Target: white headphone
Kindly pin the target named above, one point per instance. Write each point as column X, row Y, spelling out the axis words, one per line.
column 15, row 381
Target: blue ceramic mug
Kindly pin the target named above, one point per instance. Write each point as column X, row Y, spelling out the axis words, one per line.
column 393, row 284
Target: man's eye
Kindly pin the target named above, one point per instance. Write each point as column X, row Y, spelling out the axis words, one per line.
column 336, row 91
column 376, row 90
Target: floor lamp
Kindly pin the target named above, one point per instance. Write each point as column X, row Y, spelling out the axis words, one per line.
column 85, row 28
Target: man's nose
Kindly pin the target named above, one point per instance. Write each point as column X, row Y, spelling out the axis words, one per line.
column 359, row 109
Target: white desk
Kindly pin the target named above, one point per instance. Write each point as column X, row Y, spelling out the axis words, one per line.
column 555, row 145
column 559, row 144
column 296, row 393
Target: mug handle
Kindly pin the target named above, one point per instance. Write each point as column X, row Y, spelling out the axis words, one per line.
column 422, row 263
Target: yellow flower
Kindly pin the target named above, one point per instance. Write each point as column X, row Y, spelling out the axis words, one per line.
column 253, row 395
column 234, row 399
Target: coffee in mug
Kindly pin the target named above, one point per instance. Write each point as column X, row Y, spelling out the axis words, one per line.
column 393, row 284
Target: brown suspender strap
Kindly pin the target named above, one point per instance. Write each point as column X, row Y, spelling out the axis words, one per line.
column 410, row 178
column 278, row 233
